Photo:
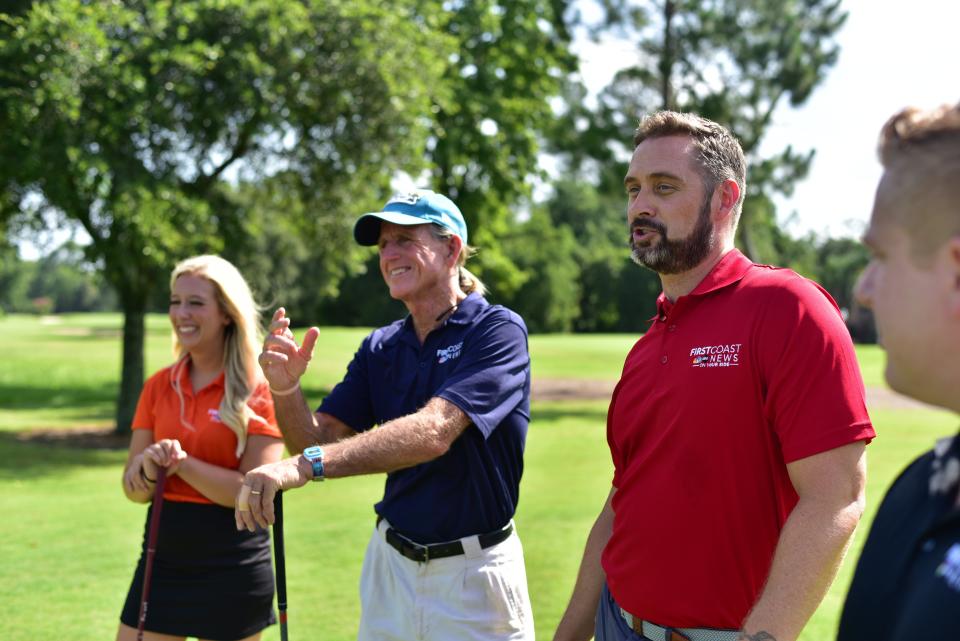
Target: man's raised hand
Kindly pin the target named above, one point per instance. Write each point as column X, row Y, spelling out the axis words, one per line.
column 282, row 359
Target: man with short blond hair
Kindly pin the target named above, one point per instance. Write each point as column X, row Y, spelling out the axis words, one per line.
column 907, row 583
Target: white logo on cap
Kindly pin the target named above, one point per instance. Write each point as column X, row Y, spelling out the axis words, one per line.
column 409, row 199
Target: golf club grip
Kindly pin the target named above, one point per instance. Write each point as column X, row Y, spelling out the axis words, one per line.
column 151, row 548
column 279, row 560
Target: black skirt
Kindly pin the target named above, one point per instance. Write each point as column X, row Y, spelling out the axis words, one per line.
column 209, row 580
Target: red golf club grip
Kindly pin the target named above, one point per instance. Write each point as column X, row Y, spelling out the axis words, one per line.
column 151, row 548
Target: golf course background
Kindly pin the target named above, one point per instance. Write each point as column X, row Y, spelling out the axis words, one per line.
column 69, row 539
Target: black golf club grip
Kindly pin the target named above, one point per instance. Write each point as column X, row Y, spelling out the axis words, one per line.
column 280, row 562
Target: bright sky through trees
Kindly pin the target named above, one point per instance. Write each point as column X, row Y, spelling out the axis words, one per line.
column 893, row 54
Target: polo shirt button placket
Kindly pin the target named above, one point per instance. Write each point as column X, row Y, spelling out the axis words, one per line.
column 663, row 360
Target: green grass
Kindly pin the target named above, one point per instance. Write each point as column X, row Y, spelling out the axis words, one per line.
column 70, row 539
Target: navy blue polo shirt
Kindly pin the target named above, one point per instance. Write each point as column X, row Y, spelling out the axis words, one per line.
column 907, row 583
column 477, row 360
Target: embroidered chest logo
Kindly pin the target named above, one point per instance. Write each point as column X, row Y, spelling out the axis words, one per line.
column 214, row 415
column 949, row 570
column 449, row 353
column 716, row 355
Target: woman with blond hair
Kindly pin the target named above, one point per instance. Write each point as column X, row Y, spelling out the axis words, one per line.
column 207, row 419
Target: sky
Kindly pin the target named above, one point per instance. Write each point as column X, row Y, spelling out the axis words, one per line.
column 893, row 54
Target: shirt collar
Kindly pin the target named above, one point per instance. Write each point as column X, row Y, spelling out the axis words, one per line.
column 732, row 267
column 464, row 314
column 468, row 309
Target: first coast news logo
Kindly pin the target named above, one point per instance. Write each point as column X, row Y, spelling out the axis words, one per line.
column 716, row 355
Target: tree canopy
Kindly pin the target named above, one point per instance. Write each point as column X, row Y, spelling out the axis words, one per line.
column 127, row 118
column 259, row 129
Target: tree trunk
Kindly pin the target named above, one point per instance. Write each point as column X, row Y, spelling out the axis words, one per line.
column 666, row 62
column 131, row 377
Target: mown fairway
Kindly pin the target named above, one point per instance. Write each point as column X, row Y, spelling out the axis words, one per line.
column 70, row 539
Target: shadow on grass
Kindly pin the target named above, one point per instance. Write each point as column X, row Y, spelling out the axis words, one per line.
column 21, row 460
column 557, row 411
column 25, row 397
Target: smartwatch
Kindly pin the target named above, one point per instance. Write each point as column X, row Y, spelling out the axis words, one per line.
column 314, row 454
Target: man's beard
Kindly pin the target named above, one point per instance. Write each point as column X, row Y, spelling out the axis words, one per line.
column 666, row 256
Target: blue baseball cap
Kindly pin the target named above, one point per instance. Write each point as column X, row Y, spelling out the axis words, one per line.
column 415, row 208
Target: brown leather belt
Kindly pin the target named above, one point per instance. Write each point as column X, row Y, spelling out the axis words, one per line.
column 662, row 633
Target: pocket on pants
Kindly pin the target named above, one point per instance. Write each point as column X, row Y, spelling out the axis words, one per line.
column 495, row 594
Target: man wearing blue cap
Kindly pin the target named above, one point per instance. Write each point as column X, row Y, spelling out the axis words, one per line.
column 448, row 390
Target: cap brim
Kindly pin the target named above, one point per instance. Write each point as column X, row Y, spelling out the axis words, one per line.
column 366, row 231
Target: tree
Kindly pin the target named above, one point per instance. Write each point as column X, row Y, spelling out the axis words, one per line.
column 70, row 282
column 15, row 276
column 510, row 62
column 733, row 61
column 615, row 295
column 548, row 299
column 129, row 117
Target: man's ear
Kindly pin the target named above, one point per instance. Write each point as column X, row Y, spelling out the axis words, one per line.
column 455, row 247
column 729, row 192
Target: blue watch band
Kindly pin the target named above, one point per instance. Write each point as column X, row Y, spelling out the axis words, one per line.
column 314, row 454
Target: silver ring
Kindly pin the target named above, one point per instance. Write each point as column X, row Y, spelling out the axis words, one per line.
column 255, row 492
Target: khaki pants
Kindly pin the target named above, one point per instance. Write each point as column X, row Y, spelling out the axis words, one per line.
column 478, row 596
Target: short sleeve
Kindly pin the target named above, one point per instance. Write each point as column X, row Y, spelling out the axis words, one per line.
column 350, row 401
column 815, row 396
column 261, row 402
column 493, row 375
column 145, row 418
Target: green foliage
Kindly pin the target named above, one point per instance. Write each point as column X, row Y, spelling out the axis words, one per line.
column 510, row 60
column 733, row 61
column 62, row 281
column 126, row 118
column 578, row 274
column 15, row 276
column 546, row 254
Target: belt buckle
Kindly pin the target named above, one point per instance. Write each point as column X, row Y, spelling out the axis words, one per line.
column 421, row 553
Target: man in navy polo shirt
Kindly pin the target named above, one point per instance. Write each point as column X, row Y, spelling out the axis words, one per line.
column 737, row 429
column 448, row 390
column 907, row 583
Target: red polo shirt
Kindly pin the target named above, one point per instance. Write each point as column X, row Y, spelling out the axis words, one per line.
column 750, row 371
column 208, row 439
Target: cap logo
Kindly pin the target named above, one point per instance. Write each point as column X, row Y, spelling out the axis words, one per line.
column 408, row 199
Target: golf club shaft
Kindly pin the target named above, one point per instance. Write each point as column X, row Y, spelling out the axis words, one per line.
column 280, row 563
column 151, row 548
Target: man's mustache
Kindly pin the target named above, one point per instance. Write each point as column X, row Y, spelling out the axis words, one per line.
column 648, row 223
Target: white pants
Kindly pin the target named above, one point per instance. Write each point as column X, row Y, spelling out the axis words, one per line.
column 477, row 596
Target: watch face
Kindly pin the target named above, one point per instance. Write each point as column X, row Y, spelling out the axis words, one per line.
column 314, row 454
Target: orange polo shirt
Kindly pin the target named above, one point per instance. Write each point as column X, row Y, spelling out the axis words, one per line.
column 208, row 439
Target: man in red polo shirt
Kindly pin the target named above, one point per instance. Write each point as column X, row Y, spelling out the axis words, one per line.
column 737, row 429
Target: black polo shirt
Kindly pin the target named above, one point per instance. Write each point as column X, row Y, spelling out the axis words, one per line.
column 907, row 583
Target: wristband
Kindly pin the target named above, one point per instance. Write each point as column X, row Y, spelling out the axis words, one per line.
column 284, row 392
